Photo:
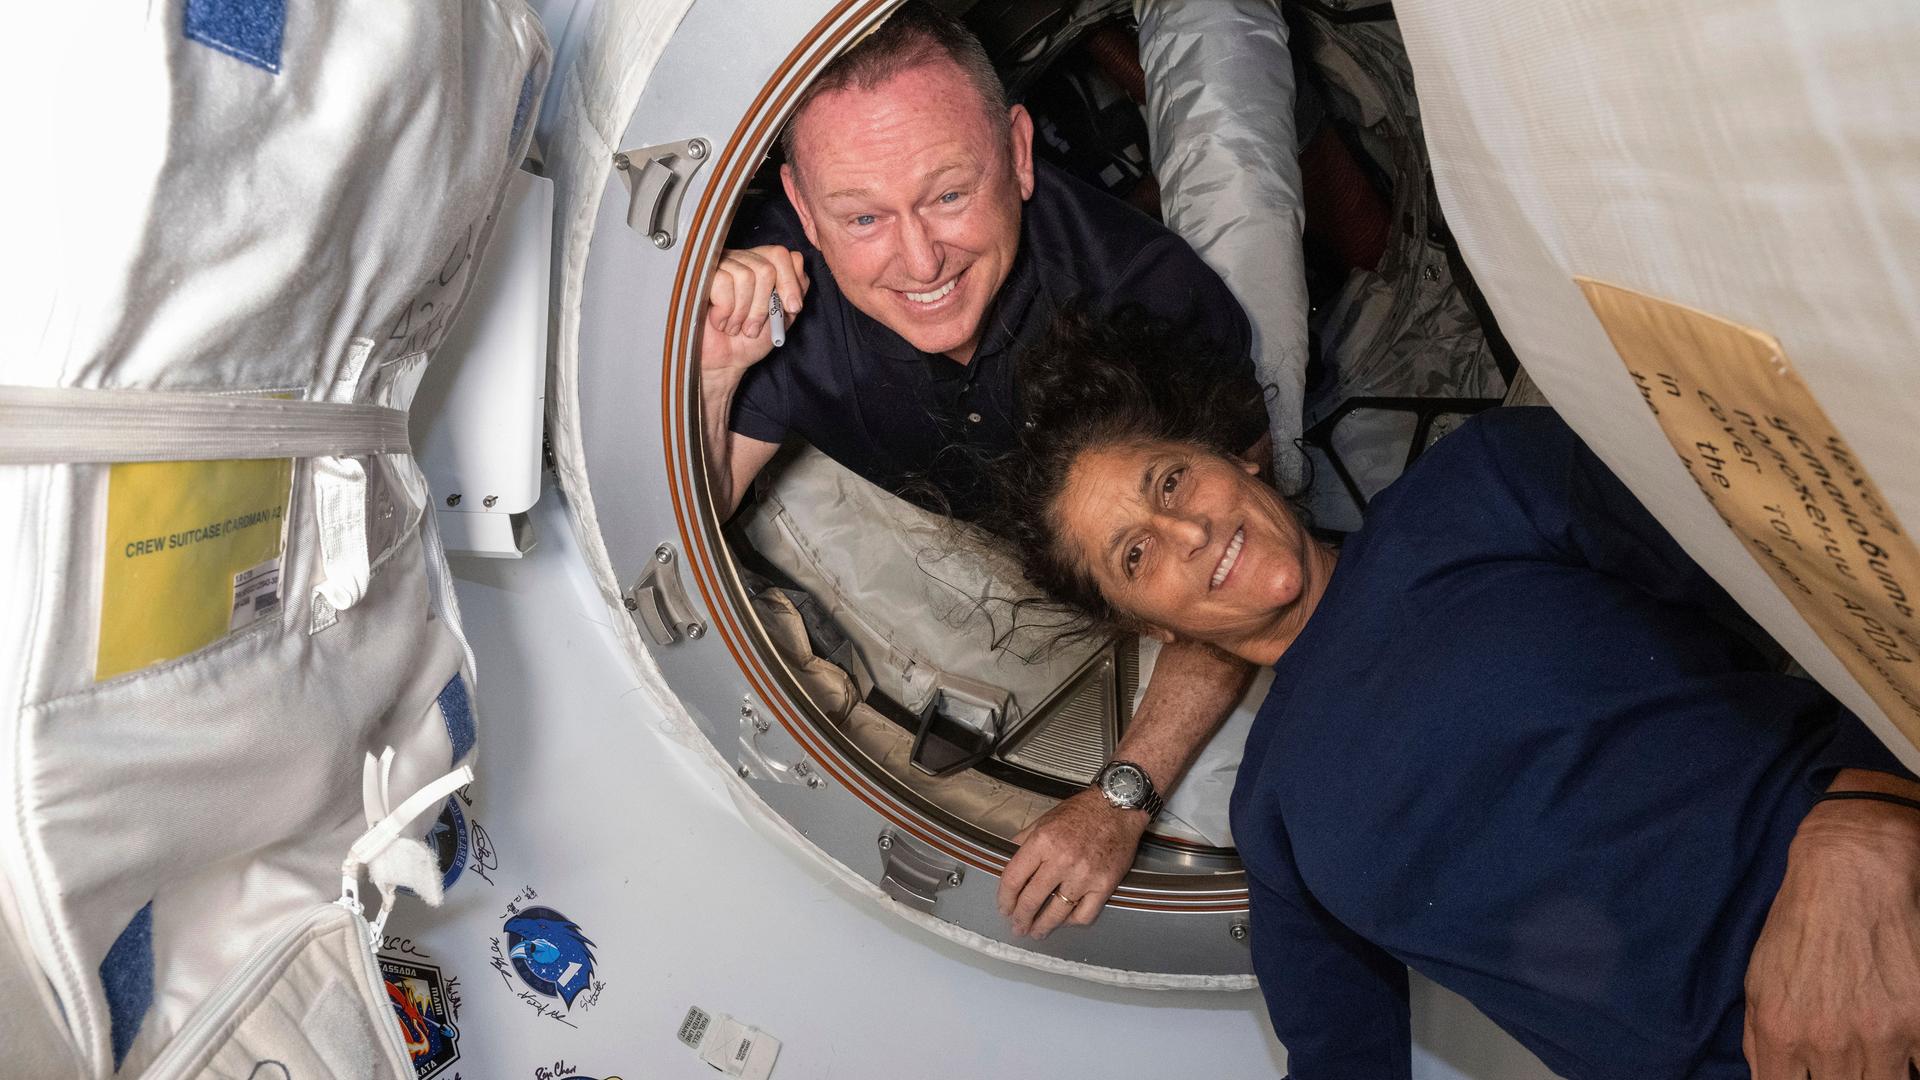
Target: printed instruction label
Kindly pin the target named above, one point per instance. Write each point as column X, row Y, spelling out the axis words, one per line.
column 192, row 554
column 694, row 1028
column 1783, row 479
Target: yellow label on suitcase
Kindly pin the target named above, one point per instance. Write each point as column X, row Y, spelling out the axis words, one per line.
column 193, row 552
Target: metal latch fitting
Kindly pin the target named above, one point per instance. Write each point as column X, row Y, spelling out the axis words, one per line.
column 657, row 177
column 755, row 763
column 659, row 603
column 913, row 875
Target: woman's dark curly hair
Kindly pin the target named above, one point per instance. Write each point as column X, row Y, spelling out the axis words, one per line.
column 1099, row 380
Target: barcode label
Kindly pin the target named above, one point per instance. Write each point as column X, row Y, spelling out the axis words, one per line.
column 730, row 1047
column 256, row 594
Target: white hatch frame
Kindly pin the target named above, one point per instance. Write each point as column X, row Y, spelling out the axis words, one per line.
column 638, row 443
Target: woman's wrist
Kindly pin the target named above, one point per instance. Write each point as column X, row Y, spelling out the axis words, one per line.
column 1872, row 780
column 1871, row 796
column 1866, row 812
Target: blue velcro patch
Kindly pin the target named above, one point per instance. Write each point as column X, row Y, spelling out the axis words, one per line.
column 248, row 30
column 457, row 710
column 127, row 976
column 520, row 109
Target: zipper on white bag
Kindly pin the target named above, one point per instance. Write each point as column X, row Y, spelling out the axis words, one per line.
column 373, row 851
column 214, row 1016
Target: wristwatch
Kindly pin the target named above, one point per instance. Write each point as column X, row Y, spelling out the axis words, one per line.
column 1128, row 787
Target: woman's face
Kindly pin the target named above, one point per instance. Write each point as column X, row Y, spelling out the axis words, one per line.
column 1188, row 543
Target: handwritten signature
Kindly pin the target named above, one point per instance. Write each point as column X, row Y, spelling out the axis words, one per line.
column 403, row 946
column 513, row 905
column 485, row 860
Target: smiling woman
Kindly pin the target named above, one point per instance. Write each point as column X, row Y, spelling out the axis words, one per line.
column 1190, row 546
column 1135, row 534
column 1515, row 699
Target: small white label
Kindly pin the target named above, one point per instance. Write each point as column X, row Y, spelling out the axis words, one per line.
column 256, row 594
column 729, row 1046
column 324, row 614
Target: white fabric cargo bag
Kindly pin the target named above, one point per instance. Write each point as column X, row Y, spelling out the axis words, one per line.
column 1697, row 227
column 229, row 653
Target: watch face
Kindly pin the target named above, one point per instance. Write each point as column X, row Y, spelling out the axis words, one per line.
column 1124, row 784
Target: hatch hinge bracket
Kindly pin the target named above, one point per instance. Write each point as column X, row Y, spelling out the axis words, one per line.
column 657, row 179
column 658, row 602
column 913, row 875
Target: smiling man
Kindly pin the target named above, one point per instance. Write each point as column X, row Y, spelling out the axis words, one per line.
column 926, row 248
column 921, row 249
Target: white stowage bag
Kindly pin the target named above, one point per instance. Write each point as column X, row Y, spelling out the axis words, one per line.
column 1754, row 160
column 254, row 200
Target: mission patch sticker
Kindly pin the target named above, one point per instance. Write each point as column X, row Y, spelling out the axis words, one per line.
column 550, row 954
column 448, row 840
column 420, row 1003
column 544, row 959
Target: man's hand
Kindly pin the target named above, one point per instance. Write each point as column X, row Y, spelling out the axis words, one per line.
column 1078, row 851
column 1833, row 986
column 735, row 336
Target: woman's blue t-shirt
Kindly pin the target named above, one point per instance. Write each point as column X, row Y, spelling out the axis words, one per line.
column 1528, row 748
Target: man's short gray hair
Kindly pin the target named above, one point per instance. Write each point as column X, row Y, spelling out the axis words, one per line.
column 916, row 34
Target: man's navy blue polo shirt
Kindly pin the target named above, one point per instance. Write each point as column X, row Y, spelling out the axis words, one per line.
column 903, row 418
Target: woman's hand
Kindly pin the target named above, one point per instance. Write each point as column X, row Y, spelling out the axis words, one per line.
column 1069, row 862
column 1833, row 986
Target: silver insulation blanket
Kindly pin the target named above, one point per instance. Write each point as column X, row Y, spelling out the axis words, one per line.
column 1220, row 99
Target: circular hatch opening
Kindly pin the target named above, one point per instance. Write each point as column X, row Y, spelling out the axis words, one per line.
column 796, row 628
column 892, row 629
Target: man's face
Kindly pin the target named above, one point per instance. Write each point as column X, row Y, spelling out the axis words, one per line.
column 912, row 193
